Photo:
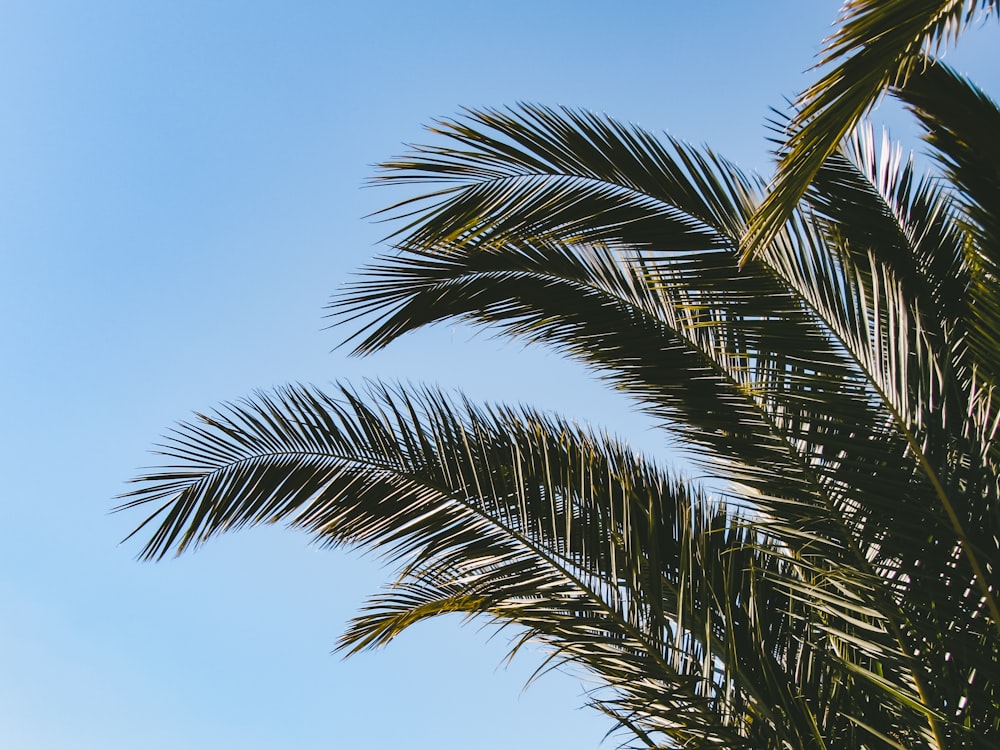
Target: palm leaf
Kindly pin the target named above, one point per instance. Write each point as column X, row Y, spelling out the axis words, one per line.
column 679, row 607
column 725, row 353
column 880, row 44
column 960, row 123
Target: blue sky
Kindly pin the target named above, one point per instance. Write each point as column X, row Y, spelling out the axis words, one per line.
column 180, row 194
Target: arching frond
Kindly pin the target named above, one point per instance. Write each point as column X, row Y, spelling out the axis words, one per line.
column 879, row 44
column 728, row 355
column 678, row 606
column 525, row 171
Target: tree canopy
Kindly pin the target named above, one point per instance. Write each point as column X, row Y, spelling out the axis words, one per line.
column 826, row 348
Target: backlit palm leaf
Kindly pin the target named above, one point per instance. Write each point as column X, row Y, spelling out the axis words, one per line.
column 532, row 522
column 879, row 44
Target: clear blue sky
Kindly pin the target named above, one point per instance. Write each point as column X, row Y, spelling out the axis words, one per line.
column 180, row 193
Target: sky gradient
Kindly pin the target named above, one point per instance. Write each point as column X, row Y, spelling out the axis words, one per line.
column 180, row 194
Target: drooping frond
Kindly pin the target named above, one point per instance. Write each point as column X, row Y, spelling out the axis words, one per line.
column 725, row 353
column 879, row 44
column 695, row 621
column 514, row 516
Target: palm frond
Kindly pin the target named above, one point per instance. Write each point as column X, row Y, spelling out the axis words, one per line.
column 532, row 522
column 726, row 354
column 513, row 515
column 522, row 171
column 595, row 287
column 879, row 44
column 960, row 123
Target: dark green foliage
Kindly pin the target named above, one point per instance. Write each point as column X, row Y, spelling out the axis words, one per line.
column 838, row 381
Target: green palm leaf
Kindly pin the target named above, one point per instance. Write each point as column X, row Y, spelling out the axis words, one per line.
column 960, row 123
column 880, row 44
column 728, row 354
column 529, row 521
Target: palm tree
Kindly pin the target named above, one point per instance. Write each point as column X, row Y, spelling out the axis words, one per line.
column 839, row 591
